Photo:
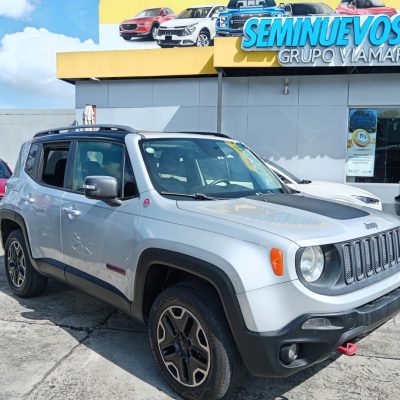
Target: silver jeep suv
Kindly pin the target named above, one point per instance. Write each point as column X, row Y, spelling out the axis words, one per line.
column 193, row 235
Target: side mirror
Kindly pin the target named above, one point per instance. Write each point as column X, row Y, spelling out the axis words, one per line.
column 101, row 188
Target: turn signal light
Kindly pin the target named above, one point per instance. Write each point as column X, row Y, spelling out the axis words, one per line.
column 277, row 261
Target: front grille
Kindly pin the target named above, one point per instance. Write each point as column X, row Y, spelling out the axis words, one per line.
column 237, row 21
column 129, row 27
column 170, row 32
column 367, row 257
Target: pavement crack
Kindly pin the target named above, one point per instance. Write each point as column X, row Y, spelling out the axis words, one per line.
column 379, row 357
column 55, row 366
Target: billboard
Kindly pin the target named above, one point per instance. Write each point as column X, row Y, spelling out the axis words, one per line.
column 134, row 24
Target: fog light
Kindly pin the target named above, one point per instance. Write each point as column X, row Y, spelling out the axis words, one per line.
column 289, row 353
column 320, row 323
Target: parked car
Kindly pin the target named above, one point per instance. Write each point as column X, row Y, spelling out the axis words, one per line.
column 194, row 26
column 146, row 23
column 330, row 190
column 192, row 234
column 231, row 22
column 397, row 205
column 304, row 9
column 364, row 7
column 5, row 173
column 363, row 119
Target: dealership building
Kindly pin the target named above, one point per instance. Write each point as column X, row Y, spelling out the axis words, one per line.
column 324, row 112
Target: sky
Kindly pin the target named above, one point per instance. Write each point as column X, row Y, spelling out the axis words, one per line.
column 31, row 33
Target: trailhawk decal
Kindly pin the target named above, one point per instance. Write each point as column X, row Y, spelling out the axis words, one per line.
column 327, row 40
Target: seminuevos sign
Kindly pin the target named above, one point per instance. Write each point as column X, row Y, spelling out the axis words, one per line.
column 327, row 40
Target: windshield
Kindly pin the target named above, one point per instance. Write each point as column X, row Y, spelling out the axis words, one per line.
column 310, row 9
column 215, row 168
column 151, row 12
column 195, row 13
column 251, row 3
column 4, row 171
column 369, row 3
column 284, row 171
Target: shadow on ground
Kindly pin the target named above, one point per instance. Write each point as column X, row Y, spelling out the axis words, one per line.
column 115, row 337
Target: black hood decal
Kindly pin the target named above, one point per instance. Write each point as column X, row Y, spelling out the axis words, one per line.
column 317, row 206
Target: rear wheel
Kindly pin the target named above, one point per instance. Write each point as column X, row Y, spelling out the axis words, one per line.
column 203, row 40
column 192, row 344
column 23, row 279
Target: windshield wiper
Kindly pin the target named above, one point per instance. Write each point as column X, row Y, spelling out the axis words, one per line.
column 197, row 196
column 305, row 182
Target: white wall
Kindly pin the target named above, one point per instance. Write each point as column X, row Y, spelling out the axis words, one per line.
column 17, row 126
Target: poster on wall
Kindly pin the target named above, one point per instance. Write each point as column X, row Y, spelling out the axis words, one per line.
column 134, row 24
column 361, row 142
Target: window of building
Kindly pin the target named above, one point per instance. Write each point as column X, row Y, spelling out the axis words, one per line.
column 373, row 145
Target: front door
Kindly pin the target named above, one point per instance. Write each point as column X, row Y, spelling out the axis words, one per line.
column 98, row 238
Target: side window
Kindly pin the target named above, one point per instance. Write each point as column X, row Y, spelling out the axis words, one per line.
column 30, row 160
column 98, row 159
column 54, row 164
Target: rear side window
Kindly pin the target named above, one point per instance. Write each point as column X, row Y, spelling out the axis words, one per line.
column 54, row 165
column 31, row 160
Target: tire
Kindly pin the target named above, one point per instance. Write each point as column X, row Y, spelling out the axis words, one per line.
column 166, row 46
column 127, row 38
column 203, row 40
column 192, row 344
column 23, row 279
column 153, row 32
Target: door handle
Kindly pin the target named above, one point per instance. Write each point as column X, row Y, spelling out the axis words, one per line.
column 71, row 211
column 28, row 198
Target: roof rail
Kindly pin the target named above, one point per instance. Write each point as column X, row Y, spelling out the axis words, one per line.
column 90, row 128
column 217, row 134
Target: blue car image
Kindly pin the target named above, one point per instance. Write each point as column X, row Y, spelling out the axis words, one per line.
column 231, row 21
column 363, row 119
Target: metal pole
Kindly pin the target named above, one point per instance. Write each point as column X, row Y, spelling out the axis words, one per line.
column 219, row 103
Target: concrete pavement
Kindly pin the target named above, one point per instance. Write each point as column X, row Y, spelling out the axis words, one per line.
column 67, row 345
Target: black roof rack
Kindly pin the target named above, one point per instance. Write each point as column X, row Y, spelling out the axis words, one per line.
column 88, row 128
column 217, row 134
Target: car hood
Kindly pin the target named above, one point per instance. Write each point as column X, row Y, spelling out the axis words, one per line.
column 138, row 20
column 182, row 22
column 252, row 10
column 304, row 220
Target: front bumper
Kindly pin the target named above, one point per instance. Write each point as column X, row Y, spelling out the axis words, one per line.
column 175, row 40
column 138, row 32
column 261, row 351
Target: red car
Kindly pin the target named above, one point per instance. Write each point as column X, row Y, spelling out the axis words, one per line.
column 364, row 7
column 145, row 24
column 5, row 173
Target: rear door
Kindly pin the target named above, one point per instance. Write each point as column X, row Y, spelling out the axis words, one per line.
column 42, row 196
column 98, row 238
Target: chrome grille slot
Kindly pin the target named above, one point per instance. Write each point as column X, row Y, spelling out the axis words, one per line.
column 383, row 245
column 369, row 269
column 396, row 245
column 358, row 260
column 389, row 238
column 377, row 264
column 348, row 268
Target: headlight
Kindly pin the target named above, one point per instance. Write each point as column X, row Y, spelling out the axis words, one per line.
column 312, row 263
column 367, row 200
column 223, row 22
column 189, row 29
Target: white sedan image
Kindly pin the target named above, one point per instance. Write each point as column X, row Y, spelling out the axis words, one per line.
column 329, row 190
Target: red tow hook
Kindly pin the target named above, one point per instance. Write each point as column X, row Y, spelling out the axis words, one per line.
column 348, row 349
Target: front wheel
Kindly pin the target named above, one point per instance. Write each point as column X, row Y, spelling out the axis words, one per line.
column 192, row 344
column 153, row 32
column 203, row 40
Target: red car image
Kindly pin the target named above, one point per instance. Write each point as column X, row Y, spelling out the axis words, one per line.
column 5, row 173
column 146, row 23
column 364, row 7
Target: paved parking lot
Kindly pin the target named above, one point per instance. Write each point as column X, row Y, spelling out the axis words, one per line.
column 66, row 345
